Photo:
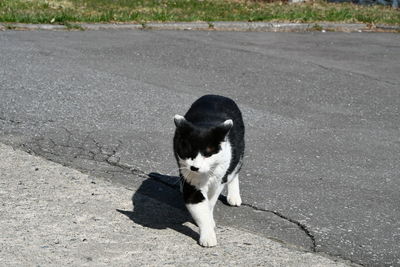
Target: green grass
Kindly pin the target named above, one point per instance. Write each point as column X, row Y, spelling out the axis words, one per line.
column 141, row 11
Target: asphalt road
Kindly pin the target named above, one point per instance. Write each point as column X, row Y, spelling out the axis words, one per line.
column 322, row 166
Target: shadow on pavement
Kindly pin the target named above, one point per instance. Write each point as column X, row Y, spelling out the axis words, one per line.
column 158, row 204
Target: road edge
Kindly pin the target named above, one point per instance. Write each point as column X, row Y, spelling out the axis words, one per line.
column 212, row 26
column 46, row 168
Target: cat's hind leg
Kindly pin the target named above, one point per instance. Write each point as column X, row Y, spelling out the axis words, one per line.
column 233, row 197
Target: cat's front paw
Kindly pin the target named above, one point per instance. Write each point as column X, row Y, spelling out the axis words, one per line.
column 234, row 200
column 208, row 240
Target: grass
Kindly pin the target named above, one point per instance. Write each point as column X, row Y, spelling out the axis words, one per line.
column 140, row 11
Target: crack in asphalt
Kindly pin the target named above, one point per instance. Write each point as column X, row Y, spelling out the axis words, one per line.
column 10, row 120
column 53, row 151
column 257, row 50
column 352, row 73
column 97, row 152
column 301, row 226
column 17, row 122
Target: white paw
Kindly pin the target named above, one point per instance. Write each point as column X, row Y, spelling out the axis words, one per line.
column 234, row 200
column 208, row 240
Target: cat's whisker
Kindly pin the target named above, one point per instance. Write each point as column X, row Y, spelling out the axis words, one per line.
column 212, row 171
column 188, row 174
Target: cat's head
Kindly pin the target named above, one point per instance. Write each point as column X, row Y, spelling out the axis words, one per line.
column 199, row 149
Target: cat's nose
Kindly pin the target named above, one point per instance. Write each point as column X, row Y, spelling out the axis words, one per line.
column 193, row 168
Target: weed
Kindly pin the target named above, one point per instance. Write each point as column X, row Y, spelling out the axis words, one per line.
column 72, row 26
column 10, row 26
column 316, row 27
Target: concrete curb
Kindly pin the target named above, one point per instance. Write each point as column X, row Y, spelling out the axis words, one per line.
column 216, row 25
column 178, row 26
column 54, row 215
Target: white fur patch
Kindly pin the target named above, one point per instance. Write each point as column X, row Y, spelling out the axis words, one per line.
column 228, row 123
column 178, row 119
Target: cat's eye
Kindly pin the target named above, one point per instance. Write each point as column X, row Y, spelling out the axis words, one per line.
column 210, row 150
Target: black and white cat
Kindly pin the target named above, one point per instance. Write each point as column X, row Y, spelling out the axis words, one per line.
column 209, row 147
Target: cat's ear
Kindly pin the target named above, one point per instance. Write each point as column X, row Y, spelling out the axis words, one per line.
column 227, row 124
column 223, row 129
column 181, row 122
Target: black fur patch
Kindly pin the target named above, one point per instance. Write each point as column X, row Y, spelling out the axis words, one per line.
column 191, row 195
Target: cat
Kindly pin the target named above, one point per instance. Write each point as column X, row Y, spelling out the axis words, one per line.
column 209, row 148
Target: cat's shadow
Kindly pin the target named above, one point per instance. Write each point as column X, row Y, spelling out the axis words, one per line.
column 158, row 204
